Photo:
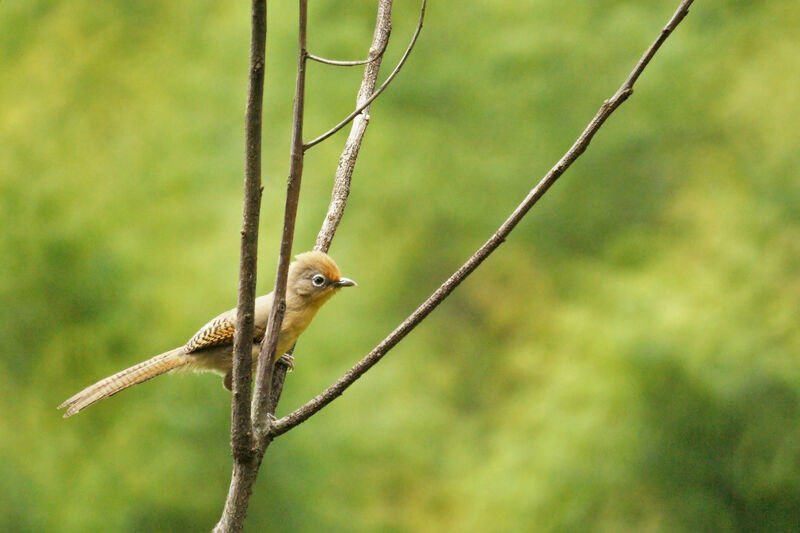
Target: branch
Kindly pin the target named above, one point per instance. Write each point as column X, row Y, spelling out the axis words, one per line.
column 347, row 161
column 241, row 430
column 377, row 93
column 269, row 382
column 609, row 106
column 266, row 357
column 372, row 57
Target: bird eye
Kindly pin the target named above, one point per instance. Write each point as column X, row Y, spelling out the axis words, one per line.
column 318, row 280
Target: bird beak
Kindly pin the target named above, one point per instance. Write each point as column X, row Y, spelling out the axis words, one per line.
column 344, row 282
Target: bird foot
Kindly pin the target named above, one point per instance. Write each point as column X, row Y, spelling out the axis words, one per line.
column 287, row 360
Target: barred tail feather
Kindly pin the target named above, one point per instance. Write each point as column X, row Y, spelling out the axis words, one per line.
column 122, row 380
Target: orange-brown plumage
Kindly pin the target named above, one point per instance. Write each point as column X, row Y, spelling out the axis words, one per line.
column 319, row 260
column 313, row 279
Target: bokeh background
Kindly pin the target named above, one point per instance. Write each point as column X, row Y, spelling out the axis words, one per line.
column 627, row 361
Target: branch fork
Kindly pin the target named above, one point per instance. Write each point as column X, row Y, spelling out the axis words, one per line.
column 252, row 434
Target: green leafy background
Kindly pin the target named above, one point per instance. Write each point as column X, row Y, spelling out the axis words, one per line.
column 627, row 361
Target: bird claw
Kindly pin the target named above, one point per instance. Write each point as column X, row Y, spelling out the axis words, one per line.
column 287, row 360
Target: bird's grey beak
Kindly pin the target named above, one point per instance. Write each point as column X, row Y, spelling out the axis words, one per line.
column 345, row 282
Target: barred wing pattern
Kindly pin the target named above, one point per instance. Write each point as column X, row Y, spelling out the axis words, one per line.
column 220, row 329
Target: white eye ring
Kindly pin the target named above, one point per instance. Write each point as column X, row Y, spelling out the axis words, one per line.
column 318, row 280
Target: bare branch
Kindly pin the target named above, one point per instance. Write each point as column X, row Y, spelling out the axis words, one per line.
column 242, row 442
column 372, row 57
column 266, row 356
column 270, row 378
column 347, row 161
column 377, row 93
column 336, row 63
column 243, row 335
column 609, row 106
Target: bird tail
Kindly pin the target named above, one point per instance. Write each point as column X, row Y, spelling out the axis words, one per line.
column 122, row 380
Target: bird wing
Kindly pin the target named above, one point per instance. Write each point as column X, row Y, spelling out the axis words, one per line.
column 219, row 331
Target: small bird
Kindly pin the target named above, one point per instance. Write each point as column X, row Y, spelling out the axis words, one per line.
column 313, row 279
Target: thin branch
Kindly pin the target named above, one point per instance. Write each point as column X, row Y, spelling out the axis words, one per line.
column 347, row 161
column 579, row 147
column 377, row 93
column 269, row 382
column 241, row 429
column 337, row 63
column 243, row 335
column 266, row 356
column 372, row 57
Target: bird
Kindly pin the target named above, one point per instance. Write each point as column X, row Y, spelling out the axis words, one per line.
column 313, row 279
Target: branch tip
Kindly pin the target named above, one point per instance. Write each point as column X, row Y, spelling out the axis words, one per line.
column 380, row 89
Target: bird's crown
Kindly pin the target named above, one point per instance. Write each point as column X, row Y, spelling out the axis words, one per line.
column 318, row 262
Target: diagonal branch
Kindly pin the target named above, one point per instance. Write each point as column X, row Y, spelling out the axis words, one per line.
column 579, row 147
column 347, row 161
column 377, row 93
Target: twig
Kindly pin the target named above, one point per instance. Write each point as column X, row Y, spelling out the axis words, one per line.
column 313, row 406
column 377, row 93
column 372, row 57
column 241, row 428
column 337, row 63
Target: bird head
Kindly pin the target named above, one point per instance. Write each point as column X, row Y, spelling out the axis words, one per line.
column 315, row 278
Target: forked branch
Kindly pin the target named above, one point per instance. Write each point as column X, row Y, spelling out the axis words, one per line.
column 347, row 162
column 251, row 424
column 579, row 147
column 377, row 93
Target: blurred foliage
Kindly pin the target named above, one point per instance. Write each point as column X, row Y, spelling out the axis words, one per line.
column 627, row 361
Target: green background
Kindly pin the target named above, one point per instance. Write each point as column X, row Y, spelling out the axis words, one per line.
column 627, row 361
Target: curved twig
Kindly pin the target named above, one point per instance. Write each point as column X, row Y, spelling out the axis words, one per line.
column 609, row 106
column 336, row 63
column 378, row 92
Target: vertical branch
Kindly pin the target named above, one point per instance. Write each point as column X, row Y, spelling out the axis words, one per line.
column 243, row 335
column 347, row 161
column 252, row 423
column 242, row 444
column 266, row 356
